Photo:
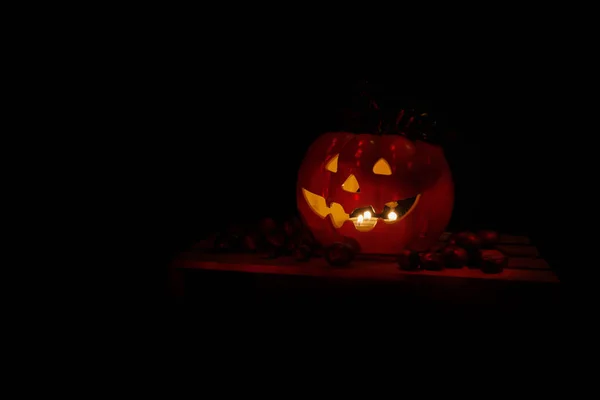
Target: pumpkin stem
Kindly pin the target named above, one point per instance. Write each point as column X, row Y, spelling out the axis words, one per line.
column 373, row 104
column 399, row 118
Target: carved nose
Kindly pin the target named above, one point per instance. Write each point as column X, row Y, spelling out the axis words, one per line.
column 351, row 185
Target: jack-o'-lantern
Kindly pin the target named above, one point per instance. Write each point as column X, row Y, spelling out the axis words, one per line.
column 379, row 193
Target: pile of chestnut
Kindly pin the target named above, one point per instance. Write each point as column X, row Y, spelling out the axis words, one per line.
column 464, row 249
column 269, row 237
column 289, row 237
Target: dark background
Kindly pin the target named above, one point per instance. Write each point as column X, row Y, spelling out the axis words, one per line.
column 217, row 124
column 233, row 150
column 228, row 145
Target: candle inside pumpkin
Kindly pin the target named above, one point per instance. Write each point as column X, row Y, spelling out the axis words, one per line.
column 364, row 222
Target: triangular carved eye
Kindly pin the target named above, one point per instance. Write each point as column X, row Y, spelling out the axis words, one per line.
column 332, row 164
column 382, row 167
column 351, row 185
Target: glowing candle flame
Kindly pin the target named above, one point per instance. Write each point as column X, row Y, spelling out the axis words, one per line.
column 392, row 216
column 360, row 219
column 367, row 215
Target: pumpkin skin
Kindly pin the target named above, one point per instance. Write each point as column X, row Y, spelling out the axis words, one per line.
column 415, row 169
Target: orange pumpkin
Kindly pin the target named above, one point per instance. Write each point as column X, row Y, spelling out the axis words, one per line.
column 379, row 193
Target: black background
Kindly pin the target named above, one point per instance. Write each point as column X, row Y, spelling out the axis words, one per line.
column 222, row 157
column 216, row 147
column 212, row 122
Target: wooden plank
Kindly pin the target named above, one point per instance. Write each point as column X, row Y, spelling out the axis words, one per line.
column 513, row 262
column 527, row 263
column 511, row 250
column 515, row 250
column 519, row 262
column 359, row 269
column 524, row 259
column 512, row 239
column 503, row 239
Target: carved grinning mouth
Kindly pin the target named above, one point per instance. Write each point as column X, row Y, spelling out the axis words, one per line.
column 363, row 218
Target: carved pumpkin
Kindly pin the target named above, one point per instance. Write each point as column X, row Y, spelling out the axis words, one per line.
column 379, row 193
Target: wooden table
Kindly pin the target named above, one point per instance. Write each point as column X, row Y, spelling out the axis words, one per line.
column 519, row 269
column 527, row 287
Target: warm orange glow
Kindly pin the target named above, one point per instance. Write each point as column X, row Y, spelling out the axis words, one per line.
column 382, row 167
column 332, row 165
column 364, row 224
column 395, row 173
column 337, row 214
column 351, row 184
column 318, row 205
